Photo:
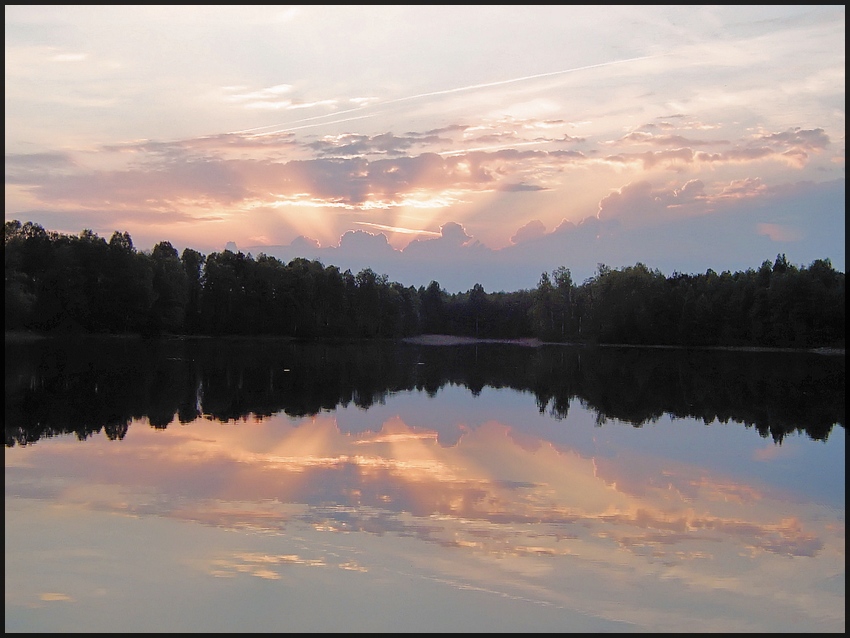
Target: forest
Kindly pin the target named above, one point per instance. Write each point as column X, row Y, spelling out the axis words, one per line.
column 64, row 284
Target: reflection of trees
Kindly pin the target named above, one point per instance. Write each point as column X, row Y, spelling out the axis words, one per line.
column 86, row 385
column 769, row 391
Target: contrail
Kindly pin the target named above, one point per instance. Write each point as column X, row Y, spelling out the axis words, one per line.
column 306, row 119
column 296, row 128
column 522, row 79
column 460, row 89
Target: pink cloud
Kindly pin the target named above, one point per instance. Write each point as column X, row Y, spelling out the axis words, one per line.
column 639, row 200
column 742, row 189
column 365, row 243
column 639, row 137
column 631, row 200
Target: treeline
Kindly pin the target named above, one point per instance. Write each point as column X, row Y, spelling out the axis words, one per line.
column 65, row 283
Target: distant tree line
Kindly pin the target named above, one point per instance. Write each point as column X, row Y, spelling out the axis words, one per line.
column 64, row 283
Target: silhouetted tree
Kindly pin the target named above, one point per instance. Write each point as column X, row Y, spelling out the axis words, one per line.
column 170, row 289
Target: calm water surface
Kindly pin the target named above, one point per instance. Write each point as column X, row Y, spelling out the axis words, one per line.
column 205, row 485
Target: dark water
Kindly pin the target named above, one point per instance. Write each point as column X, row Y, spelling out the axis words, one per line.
column 250, row 485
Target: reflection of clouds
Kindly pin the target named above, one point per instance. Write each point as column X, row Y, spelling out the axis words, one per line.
column 725, row 491
column 55, row 597
column 270, row 567
column 486, row 493
column 786, row 537
column 400, row 437
column 501, row 503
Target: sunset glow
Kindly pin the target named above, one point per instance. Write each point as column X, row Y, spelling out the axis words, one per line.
column 279, row 130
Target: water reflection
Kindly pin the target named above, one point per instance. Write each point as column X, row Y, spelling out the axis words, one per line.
column 88, row 385
column 418, row 501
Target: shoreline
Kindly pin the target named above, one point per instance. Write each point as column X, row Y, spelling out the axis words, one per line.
column 531, row 342
column 18, row 336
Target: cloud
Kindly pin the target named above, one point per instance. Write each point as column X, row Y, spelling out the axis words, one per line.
column 743, row 188
column 356, row 145
column 811, row 139
column 641, row 202
column 742, row 155
column 515, row 188
column 359, row 242
column 790, row 147
column 221, row 146
column 454, row 234
column 55, row 596
column 33, row 168
column 191, row 181
column 631, row 200
column 531, row 230
column 305, row 244
column 674, row 159
column 639, row 137
column 358, row 172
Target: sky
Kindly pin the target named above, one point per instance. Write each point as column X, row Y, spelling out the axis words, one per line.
column 459, row 144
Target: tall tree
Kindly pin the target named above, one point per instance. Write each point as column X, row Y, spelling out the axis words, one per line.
column 193, row 266
column 170, row 288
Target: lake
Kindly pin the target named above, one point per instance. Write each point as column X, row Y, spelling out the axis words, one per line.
column 233, row 485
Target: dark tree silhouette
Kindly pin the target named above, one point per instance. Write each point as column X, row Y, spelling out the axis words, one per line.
column 62, row 283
